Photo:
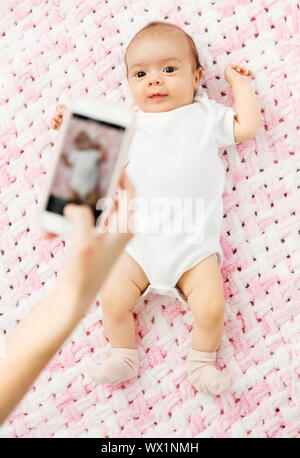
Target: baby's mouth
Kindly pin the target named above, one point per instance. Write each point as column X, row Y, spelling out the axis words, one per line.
column 157, row 96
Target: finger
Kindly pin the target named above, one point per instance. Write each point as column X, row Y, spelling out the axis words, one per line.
column 127, row 199
column 127, row 185
column 122, row 179
column 116, row 242
column 60, row 110
column 48, row 235
column 123, row 194
column 238, row 68
column 127, row 193
column 109, row 219
column 82, row 218
column 117, row 233
column 115, row 227
column 117, row 218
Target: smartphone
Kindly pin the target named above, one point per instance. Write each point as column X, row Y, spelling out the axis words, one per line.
column 88, row 161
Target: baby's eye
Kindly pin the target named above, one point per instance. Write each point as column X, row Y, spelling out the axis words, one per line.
column 170, row 67
column 138, row 73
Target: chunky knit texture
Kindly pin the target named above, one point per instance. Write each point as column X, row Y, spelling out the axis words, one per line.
column 53, row 51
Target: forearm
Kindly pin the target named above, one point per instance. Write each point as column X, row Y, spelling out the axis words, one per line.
column 33, row 343
column 246, row 105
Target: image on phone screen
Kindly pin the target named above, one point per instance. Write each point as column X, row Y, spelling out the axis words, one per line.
column 86, row 164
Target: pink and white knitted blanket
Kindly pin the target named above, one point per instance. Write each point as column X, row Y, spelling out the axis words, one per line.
column 52, row 51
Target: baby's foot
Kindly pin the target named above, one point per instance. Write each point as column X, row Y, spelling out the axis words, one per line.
column 203, row 375
column 122, row 365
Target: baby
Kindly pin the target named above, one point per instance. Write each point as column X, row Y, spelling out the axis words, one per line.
column 174, row 154
column 84, row 179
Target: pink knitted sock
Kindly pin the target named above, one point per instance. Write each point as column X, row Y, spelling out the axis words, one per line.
column 122, row 364
column 203, row 375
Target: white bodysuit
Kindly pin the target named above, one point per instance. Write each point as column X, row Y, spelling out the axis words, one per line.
column 174, row 155
column 84, row 173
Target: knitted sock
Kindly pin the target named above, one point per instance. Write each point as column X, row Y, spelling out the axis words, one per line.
column 203, row 375
column 122, row 364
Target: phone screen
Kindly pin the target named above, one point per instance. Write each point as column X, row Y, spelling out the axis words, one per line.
column 86, row 164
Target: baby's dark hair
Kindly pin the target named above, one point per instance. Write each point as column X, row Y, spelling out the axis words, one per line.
column 158, row 27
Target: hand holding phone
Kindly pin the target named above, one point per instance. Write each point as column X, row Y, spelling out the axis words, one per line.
column 91, row 255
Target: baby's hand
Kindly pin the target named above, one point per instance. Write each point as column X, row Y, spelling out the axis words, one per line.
column 58, row 116
column 235, row 73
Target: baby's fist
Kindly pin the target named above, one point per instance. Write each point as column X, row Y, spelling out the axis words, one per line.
column 57, row 119
column 235, row 73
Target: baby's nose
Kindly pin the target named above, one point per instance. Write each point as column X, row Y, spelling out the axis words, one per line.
column 155, row 82
column 155, row 79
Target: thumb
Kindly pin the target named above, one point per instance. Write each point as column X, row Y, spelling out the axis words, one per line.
column 82, row 218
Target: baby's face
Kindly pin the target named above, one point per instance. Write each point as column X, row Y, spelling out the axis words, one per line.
column 83, row 143
column 165, row 66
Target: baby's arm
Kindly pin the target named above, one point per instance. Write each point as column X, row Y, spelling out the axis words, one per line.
column 247, row 120
column 101, row 152
column 65, row 159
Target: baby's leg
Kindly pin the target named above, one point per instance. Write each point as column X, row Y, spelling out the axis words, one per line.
column 92, row 198
column 74, row 197
column 203, row 287
column 118, row 295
